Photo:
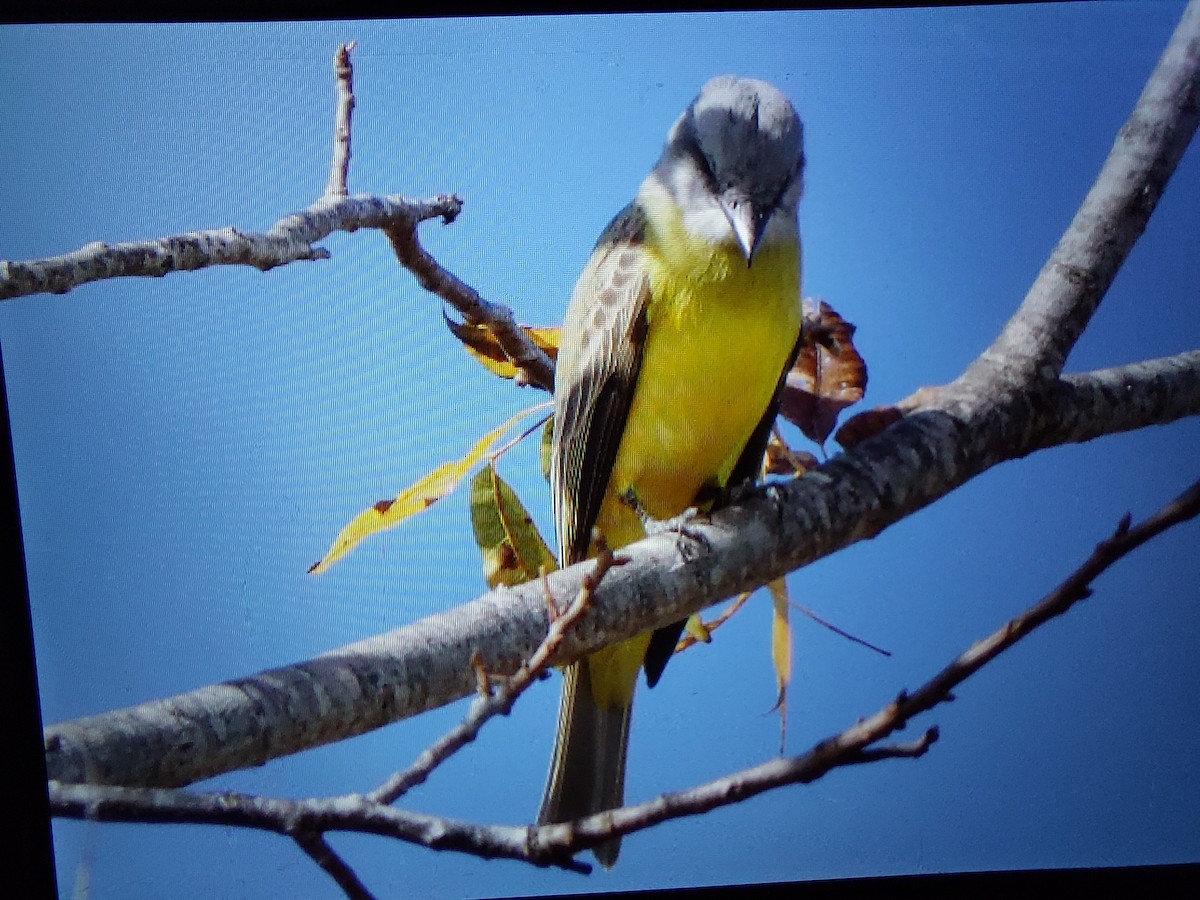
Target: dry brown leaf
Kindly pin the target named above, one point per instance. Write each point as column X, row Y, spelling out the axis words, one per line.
column 828, row 375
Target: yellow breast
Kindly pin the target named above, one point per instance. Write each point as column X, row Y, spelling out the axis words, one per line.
column 719, row 334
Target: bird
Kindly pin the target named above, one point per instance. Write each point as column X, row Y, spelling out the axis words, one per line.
column 673, row 354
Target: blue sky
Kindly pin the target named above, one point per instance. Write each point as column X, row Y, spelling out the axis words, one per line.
column 186, row 447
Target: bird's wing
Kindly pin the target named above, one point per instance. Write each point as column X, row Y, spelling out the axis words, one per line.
column 597, row 371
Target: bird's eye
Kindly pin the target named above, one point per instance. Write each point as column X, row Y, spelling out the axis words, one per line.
column 710, row 170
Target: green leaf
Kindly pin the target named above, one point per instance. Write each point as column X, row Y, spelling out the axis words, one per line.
column 513, row 549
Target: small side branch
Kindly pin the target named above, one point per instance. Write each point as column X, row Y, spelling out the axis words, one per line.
column 340, row 170
column 499, row 702
column 351, row 813
column 1075, row 588
column 909, row 750
column 533, row 365
column 314, row 844
column 291, row 239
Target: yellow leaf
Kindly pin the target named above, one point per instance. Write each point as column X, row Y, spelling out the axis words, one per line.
column 482, row 345
column 412, row 500
column 699, row 632
column 513, row 550
column 781, row 651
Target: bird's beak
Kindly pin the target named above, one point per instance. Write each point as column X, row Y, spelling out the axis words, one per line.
column 748, row 221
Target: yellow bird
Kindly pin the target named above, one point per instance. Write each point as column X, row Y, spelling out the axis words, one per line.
column 673, row 353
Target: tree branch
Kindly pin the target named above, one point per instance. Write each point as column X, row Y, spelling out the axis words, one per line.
column 1035, row 343
column 853, row 746
column 339, row 172
column 1119, row 399
column 350, row 812
column 314, row 844
column 307, row 820
column 290, row 239
column 533, row 365
column 501, row 702
column 368, row 684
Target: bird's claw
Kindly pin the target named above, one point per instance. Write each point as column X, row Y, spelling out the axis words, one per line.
column 689, row 542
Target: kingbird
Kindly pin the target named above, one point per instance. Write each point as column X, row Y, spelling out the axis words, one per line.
column 673, row 354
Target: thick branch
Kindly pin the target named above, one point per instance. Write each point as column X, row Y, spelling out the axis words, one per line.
column 555, row 844
column 290, row 239
column 1035, row 343
column 407, row 671
column 1072, row 409
column 1123, row 398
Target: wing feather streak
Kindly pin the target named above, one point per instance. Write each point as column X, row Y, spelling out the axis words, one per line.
column 597, row 371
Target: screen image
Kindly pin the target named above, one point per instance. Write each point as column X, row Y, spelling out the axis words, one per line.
column 187, row 447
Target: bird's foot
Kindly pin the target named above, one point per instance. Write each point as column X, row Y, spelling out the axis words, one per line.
column 739, row 493
column 689, row 542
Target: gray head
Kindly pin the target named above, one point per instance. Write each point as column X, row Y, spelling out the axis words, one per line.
column 742, row 147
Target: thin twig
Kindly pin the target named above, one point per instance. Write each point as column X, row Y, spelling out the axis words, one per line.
column 291, row 239
column 534, row 367
column 314, row 844
column 1075, row 588
column 339, row 172
column 839, row 631
column 910, row 750
column 500, row 701
column 504, row 448
column 347, row 813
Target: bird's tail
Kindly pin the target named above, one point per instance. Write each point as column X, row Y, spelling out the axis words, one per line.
column 587, row 771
